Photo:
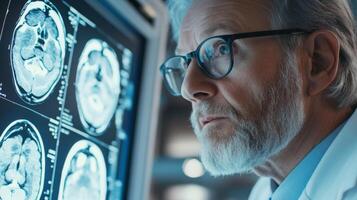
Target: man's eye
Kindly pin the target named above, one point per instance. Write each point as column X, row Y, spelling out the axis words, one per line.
column 214, row 49
column 218, row 49
column 222, row 50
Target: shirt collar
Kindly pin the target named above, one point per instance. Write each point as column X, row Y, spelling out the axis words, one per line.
column 295, row 182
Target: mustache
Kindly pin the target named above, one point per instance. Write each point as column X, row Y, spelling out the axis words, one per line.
column 205, row 108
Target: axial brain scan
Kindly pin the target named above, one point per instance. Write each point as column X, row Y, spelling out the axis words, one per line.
column 37, row 51
column 22, row 162
column 84, row 173
column 97, row 85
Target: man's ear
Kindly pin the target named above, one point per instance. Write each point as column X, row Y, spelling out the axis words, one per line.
column 323, row 50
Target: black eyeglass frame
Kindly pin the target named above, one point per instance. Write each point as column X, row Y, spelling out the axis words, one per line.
column 228, row 38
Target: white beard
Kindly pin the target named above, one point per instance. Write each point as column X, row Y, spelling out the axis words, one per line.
column 245, row 144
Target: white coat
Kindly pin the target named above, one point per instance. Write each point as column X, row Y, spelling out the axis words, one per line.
column 335, row 177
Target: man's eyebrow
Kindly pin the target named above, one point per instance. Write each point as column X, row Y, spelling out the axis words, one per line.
column 229, row 25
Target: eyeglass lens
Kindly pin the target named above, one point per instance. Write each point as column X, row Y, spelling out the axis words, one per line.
column 174, row 73
column 214, row 58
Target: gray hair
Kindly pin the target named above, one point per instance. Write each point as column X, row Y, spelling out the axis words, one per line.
column 332, row 15
column 335, row 16
column 178, row 10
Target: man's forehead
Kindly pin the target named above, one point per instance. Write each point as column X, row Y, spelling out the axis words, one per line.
column 201, row 9
column 212, row 3
column 207, row 17
column 219, row 28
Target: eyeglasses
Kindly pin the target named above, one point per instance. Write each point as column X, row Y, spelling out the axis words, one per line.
column 214, row 57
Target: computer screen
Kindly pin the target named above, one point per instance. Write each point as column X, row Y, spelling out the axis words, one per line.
column 69, row 86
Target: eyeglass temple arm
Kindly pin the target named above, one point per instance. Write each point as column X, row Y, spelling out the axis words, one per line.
column 271, row 33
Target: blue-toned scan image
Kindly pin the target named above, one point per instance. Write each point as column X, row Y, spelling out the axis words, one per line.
column 22, row 162
column 37, row 51
column 97, row 85
column 84, row 173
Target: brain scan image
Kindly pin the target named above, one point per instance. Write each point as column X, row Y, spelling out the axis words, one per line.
column 97, row 86
column 37, row 51
column 84, row 173
column 22, row 163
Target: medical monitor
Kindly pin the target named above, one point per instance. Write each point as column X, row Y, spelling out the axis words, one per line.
column 78, row 81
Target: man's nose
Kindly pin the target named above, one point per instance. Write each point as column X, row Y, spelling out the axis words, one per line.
column 196, row 85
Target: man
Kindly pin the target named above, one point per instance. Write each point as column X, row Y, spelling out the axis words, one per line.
column 273, row 87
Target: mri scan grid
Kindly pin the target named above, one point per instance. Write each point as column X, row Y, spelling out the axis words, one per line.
column 67, row 89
